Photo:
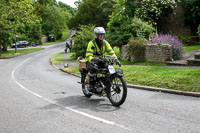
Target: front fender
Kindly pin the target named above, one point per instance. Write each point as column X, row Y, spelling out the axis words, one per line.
column 118, row 72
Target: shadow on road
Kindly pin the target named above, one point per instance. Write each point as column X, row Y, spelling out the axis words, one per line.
column 81, row 102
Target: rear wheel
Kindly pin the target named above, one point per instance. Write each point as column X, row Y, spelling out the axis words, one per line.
column 84, row 81
column 117, row 91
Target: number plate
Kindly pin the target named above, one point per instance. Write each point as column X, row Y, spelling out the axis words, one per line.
column 111, row 69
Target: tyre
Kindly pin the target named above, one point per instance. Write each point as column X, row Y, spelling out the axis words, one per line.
column 117, row 91
column 84, row 81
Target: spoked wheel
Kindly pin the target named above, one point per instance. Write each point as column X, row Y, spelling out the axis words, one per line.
column 85, row 86
column 118, row 91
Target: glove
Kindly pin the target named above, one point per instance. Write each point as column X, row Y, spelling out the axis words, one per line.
column 117, row 62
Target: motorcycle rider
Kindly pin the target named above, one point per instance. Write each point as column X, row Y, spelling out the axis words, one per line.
column 95, row 49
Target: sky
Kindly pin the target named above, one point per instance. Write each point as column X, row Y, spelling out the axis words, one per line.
column 69, row 2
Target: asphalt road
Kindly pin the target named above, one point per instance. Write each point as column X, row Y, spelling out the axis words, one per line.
column 37, row 98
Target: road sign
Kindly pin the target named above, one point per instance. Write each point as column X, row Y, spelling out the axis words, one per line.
column 16, row 35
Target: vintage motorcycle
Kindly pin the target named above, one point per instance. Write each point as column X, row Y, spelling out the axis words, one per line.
column 108, row 81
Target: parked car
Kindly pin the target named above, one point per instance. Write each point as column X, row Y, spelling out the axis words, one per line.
column 34, row 44
column 20, row 44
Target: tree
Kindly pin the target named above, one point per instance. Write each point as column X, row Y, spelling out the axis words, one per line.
column 66, row 7
column 153, row 11
column 47, row 2
column 53, row 20
column 119, row 26
column 14, row 16
column 192, row 13
column 92, row 12
column 82, row 38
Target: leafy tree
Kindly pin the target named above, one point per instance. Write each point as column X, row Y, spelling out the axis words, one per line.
column 82, row 38
column 119, row 26
column 66, row 7
column 47, row 2
column 53, row 20
column 92, row 12
column 154, row 10
column 14, row 16
column 192, row 13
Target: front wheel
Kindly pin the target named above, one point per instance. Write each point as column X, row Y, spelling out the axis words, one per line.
column 117, row 91
column 84, row 81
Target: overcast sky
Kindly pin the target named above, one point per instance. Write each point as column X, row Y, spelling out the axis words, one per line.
column 69, row 2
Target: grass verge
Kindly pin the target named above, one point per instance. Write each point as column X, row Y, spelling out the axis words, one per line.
column 190, row 48
column 11, row 53
column 184, row 79
column 57, row 58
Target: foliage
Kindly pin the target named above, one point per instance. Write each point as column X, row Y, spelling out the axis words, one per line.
column 93, row 12
column 141, row 29
column 15, row 16
column 192, row 13
column 184, row 40
column 53, row 21
column 177, row 46
column 136, row 48
column 81, row 40
column 66, row 7
column 198, row 30
column 119, row 26
column 123, row 24
column 154, row 10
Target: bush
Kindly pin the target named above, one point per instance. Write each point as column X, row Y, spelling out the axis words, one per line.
column 136, row 49
column 177, row 46
column 184, row 40
column 81, row 40
column 198, row 30
column 141, row 29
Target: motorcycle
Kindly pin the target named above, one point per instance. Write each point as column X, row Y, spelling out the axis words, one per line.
column 108, row 81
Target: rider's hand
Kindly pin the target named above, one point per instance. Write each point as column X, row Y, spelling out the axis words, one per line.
column 117, row 62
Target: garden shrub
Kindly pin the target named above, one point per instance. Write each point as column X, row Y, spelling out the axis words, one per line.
column 177, row 45
column 136, row 49
column 184, row 40
column 81, row 40
column 198, row 30
column 141, row 29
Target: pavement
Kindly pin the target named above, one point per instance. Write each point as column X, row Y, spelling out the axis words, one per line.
column 148, row 88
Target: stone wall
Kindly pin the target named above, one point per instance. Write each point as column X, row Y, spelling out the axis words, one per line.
column 158, row 53
column 123, row 53
column 153, row 53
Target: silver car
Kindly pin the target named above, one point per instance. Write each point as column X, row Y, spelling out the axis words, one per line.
column 20, row 44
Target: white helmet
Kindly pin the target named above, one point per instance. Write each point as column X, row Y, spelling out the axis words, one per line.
column 99, row 30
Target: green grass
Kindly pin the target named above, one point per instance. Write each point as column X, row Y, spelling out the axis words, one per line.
column 11, row 53
column 74, row 70
column 64, row 37
column 156, row 75
column 163, row 77
column 58, row 58
column 71, row 56
column 190, row 48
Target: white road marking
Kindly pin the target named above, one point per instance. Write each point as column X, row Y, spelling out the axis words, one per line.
column 67, row 108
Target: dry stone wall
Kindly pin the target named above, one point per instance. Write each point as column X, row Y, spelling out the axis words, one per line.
column 158, row 53
column 153, row 53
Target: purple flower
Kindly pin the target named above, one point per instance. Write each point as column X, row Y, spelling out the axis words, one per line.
column 177, row 46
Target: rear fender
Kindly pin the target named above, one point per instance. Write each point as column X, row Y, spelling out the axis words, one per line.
column 83, row 71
